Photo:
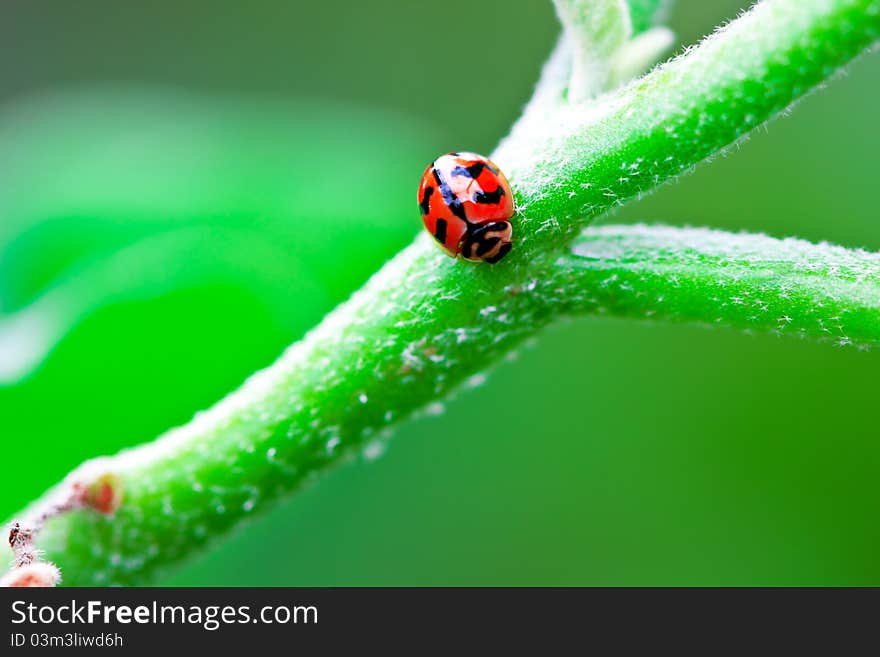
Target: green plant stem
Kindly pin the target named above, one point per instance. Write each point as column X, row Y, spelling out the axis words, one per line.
column 585, row 159
column 425, row 324
column 276, row 432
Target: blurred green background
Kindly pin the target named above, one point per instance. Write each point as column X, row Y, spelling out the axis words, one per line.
column 170, row 209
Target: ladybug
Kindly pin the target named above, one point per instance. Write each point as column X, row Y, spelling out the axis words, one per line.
column 466, row 204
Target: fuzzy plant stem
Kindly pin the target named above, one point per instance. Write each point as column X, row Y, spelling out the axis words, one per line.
column 745, row 281
column 425, row 324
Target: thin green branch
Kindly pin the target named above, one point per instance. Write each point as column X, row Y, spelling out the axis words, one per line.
column 425, row 324
column 597, row 30
column 587, row 159
column 751, row 282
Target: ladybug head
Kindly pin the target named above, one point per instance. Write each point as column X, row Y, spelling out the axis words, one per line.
column 488, row 242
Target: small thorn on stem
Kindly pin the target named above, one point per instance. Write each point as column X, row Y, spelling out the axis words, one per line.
column 103, row 493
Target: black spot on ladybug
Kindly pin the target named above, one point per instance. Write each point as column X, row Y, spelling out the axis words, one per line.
column 449, row 197
column 473, row 171
column 485, row 229
column 476, row 169
column 426, row 197
column 440, row 232
column 489, row 198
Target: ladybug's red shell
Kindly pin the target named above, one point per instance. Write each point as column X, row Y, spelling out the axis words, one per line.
column 466, row 203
